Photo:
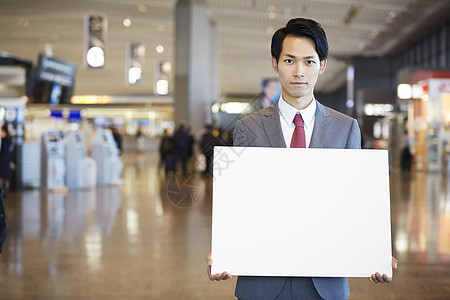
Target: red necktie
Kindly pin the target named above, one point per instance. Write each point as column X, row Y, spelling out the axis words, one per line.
column 298, row 137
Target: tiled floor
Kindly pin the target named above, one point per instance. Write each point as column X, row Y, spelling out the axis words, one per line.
column 149, row 238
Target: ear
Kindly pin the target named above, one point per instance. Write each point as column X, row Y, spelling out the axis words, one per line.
column 275, row 64
column 323, row 66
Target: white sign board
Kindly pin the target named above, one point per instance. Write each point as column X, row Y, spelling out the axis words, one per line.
column 301, row 212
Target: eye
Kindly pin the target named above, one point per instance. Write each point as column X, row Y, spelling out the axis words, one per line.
column 289, row 61
column 310, row 62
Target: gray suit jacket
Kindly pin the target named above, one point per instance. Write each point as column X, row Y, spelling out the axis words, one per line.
column 332, row 129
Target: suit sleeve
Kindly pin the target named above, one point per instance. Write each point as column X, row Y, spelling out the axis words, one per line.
column 354, row 137
column 239, row 136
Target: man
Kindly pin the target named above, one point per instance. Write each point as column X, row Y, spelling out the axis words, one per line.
column 299, row 56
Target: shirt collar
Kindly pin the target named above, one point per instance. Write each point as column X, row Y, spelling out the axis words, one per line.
column 288, row 112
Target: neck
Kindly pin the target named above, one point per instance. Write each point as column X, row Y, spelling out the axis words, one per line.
column 299, row 103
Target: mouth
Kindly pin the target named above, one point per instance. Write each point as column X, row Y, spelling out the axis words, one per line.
column 298, row 83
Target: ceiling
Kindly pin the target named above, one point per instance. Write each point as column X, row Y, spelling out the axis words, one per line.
column 353, row 27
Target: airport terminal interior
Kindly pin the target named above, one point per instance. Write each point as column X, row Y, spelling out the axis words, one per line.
column 110, row 111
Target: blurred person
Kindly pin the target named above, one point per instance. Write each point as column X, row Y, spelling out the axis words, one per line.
column 191, row 142
column 224, row 137
column 166, row 148
column 270, row 92
column 297, row 120
column 117, row 138
column 3, row 222
column 183, row 142
column 406, row 157
column 140, row 139
column 207, row 143
column 5, row 159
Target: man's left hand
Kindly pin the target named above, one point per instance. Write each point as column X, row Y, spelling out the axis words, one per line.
column 378, row 278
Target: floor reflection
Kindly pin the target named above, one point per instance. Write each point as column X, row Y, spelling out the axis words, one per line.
column 420, row 216
column 148, row 239
column 52, row 220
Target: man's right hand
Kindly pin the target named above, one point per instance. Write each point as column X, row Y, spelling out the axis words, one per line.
column 218, row 276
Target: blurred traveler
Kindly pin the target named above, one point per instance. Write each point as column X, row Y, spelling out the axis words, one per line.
column 166, row 149
column 183, row 140
column 406, row 155
column 117, row 138
column 207, row 143
column 140, row 139
column 270, row 92
column 297, row 119
column 190, row 153
column 406, row 159
column 3, row 222
column 5, row 159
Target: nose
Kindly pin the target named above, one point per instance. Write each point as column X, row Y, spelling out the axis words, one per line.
column 298, row 71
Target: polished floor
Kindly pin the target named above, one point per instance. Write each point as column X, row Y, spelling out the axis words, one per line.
column 148, row 239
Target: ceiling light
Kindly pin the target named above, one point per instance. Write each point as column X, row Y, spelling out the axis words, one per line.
column 159, row 49
column 127, row 22
column 134, row 75
column 235, row 107
column 166, row 67
column 215, row 108
column 404, row 91
column 162, row 87
column 95, row 57
column 378, row 109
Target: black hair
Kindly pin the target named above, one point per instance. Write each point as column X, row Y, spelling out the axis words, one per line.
column 303, row 28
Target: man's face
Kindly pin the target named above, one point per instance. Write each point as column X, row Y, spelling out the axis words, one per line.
column 298, row 68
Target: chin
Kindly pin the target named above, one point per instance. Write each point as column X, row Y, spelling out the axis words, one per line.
column 299, row 95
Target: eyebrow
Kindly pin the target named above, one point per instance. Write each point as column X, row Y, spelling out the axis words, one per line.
column 305, row 57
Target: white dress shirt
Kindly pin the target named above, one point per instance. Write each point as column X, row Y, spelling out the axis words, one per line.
column 287, row 114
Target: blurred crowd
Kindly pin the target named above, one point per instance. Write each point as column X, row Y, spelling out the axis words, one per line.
column 184, row 152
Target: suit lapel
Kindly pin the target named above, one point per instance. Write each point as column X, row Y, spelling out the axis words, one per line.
column 321, row 125
column 272, row 126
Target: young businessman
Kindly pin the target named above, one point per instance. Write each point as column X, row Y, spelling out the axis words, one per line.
column 299, row 56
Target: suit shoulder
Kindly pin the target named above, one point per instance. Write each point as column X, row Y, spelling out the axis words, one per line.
column 258, row 115
column 336, row 114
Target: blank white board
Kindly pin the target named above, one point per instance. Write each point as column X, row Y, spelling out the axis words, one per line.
column 301, row 212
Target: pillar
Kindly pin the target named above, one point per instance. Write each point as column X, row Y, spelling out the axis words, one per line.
column 195, row 76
